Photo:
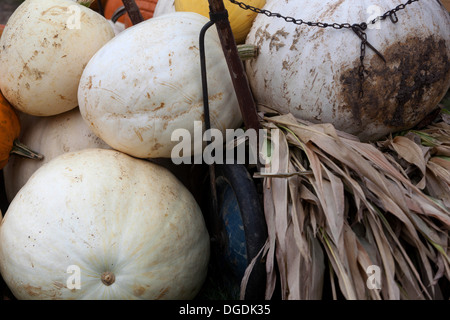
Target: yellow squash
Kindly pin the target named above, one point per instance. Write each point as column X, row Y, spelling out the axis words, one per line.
column 240, row 20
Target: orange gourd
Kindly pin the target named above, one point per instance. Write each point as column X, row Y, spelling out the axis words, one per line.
column 9, row 134
column 110, row 8
column 147, row 8
column 9, row 130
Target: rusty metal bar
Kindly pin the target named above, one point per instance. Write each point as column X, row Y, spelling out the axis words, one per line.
column 241, row 86
column 133, row 11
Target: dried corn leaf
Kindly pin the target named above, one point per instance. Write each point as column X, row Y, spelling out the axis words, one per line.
column 389, row 288
column 352, row 250
column 269, row 212
column 413, row 153
column 365, row 261
column 336, row 200
column 345, row 280
column 410, row 288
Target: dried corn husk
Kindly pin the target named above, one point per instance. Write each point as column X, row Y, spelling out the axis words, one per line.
column 336, row 207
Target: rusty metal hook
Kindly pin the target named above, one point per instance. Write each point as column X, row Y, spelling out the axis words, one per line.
column 363, row 36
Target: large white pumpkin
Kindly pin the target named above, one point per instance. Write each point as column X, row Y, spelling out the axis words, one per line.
column 43, row 50
column 163, row 7
column 52, row 136
column 99, row 224
column 312, row 72
column 146, row 83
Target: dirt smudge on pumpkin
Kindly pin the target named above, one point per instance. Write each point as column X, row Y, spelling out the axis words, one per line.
column 36, row 292
column 276, row 41
column 330, row 10
column 37, row 74
column 58, row 285
column 162, row 293
column 217, row 96
column 32, row 290
column 139, row 291
column 89, row 84
column 45, row 43
column 157, row 146
column 159, row 107
column 139, row 134
column 55, row 10
column 262, row 34
column 397, row 93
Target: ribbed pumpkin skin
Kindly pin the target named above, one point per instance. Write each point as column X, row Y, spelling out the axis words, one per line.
column 103, row 211
column 240, row 20
column 43, row 51
column 135, row 102
column 9, row 130
column 313, row 72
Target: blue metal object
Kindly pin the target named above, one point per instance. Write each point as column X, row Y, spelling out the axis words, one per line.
column 230, row 213
column 244, row 231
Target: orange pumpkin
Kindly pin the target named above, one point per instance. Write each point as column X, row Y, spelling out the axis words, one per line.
column 147, row 8
column 110, row 7
column 94, row 5
column 9, row 134
column 9, row 130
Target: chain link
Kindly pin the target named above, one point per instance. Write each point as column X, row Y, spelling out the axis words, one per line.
column 358, row 28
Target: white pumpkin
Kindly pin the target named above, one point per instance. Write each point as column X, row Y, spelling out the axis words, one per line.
column 52, row 136
column 43, row 50
column 99, row 224
column 312, row 72
column 163, row 7
column 135, row 98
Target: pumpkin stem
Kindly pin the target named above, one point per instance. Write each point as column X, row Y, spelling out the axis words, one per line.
column 247, row 51
column 108, row 278
column 22, row 150
column 86, row 3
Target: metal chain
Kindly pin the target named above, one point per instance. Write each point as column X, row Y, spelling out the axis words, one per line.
column 357, row 28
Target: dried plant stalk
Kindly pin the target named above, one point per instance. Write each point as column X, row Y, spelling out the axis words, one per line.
column 338, row 203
